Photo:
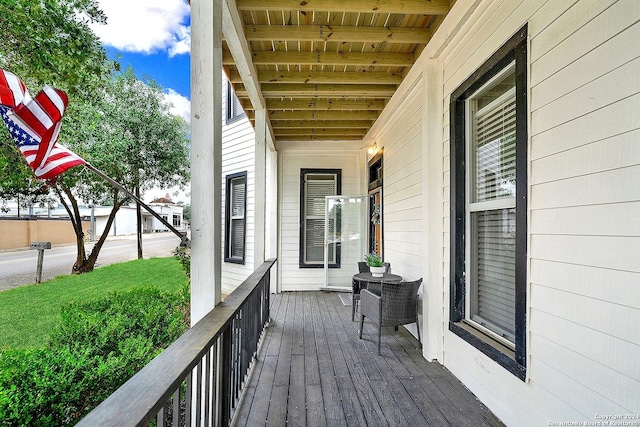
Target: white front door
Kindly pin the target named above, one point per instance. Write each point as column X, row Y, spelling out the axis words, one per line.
column 345, row 239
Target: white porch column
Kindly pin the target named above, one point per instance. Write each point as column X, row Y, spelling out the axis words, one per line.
column 206, row 156
column 260, row 183
column 432, row 176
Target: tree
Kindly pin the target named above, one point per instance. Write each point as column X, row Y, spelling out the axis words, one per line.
column 132, row 137
column 186, row 212
column 51, row 42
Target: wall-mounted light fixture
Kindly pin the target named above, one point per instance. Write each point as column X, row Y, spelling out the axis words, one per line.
column 373, row 148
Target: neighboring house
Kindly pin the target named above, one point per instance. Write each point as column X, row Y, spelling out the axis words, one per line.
column 169, row 211
column 505, row 171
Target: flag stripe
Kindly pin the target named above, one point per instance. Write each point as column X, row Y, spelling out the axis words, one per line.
column 42, row 109
column 12, row 89
column 57, row 97
column 29, row 119
column 47, row 144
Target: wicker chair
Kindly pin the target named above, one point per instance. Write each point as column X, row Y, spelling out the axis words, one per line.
column 356, row 286
column 397, row 305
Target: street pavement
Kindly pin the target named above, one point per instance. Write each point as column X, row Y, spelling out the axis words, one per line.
column 18, row 267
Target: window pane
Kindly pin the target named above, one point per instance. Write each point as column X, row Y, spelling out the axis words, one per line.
column 314, row 243
column 494, row 141
column 237, row 238
column 494, row 270
column 318, row 187
column 237, row 197
column 234, row 108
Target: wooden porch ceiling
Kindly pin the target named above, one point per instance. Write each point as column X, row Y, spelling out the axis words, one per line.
column 323, row 69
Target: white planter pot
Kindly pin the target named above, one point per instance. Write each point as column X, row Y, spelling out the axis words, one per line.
column 377, row 271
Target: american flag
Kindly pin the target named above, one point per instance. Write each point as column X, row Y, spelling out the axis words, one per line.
column 34, row 123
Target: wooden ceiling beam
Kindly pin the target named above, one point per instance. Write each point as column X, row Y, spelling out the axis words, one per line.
column 329, row 58
column 318, row 115
column 312, row 124
column 279, row 90
column 325, row 104
column 322, row 77
column 319, row 137
column 408, row 7
column 328, row 33
column 321, row 131
column 239, row 49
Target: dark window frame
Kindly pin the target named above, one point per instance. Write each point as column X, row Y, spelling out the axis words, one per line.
column 303, row 174
column 227, row 219
column 514, row 50
column 375, row 167
column 231, row 114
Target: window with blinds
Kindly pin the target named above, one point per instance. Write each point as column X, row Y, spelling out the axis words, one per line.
column 488, row 167
column 236, row 194
column 491, row 209
column 315, row 187
column 234, row 108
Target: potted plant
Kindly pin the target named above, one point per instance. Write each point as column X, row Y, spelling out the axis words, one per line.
column 375, row 264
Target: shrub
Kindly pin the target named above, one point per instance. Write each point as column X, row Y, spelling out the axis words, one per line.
column 183, row 254
column 95, row 349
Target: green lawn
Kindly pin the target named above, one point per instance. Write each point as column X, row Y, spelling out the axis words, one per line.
column 28, row 313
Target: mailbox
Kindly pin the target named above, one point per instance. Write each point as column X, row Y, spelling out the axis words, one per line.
column 40, row 245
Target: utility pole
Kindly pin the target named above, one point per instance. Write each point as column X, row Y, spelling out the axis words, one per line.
column 139, row 222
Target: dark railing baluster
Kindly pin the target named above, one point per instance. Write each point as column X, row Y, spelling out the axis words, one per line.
column 207, row 384
column 175, row 419
column 199, row 379
column 199, row 393
column 225, row 398
column 188, row 396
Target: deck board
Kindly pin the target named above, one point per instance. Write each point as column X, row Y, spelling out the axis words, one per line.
column 313, row 370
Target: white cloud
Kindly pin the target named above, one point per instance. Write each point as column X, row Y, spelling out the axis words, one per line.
column 145, row 25
column 181, row 106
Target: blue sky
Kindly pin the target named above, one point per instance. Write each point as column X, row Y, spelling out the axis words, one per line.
column 169, row 72
column 154, row 37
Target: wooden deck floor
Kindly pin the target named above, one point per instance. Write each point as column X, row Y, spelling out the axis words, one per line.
column 312, row 370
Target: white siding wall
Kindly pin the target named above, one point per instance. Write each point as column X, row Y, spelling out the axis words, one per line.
column 583, row 296
column 292, row 277
column 238, row 155
column 584, row 209
column 401, row 141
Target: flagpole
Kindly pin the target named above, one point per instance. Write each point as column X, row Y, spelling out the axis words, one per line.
column 184, row 240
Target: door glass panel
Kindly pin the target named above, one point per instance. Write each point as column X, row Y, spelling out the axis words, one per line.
column 345, row 238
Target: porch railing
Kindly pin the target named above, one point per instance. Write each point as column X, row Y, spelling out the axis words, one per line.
column 199, row 378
